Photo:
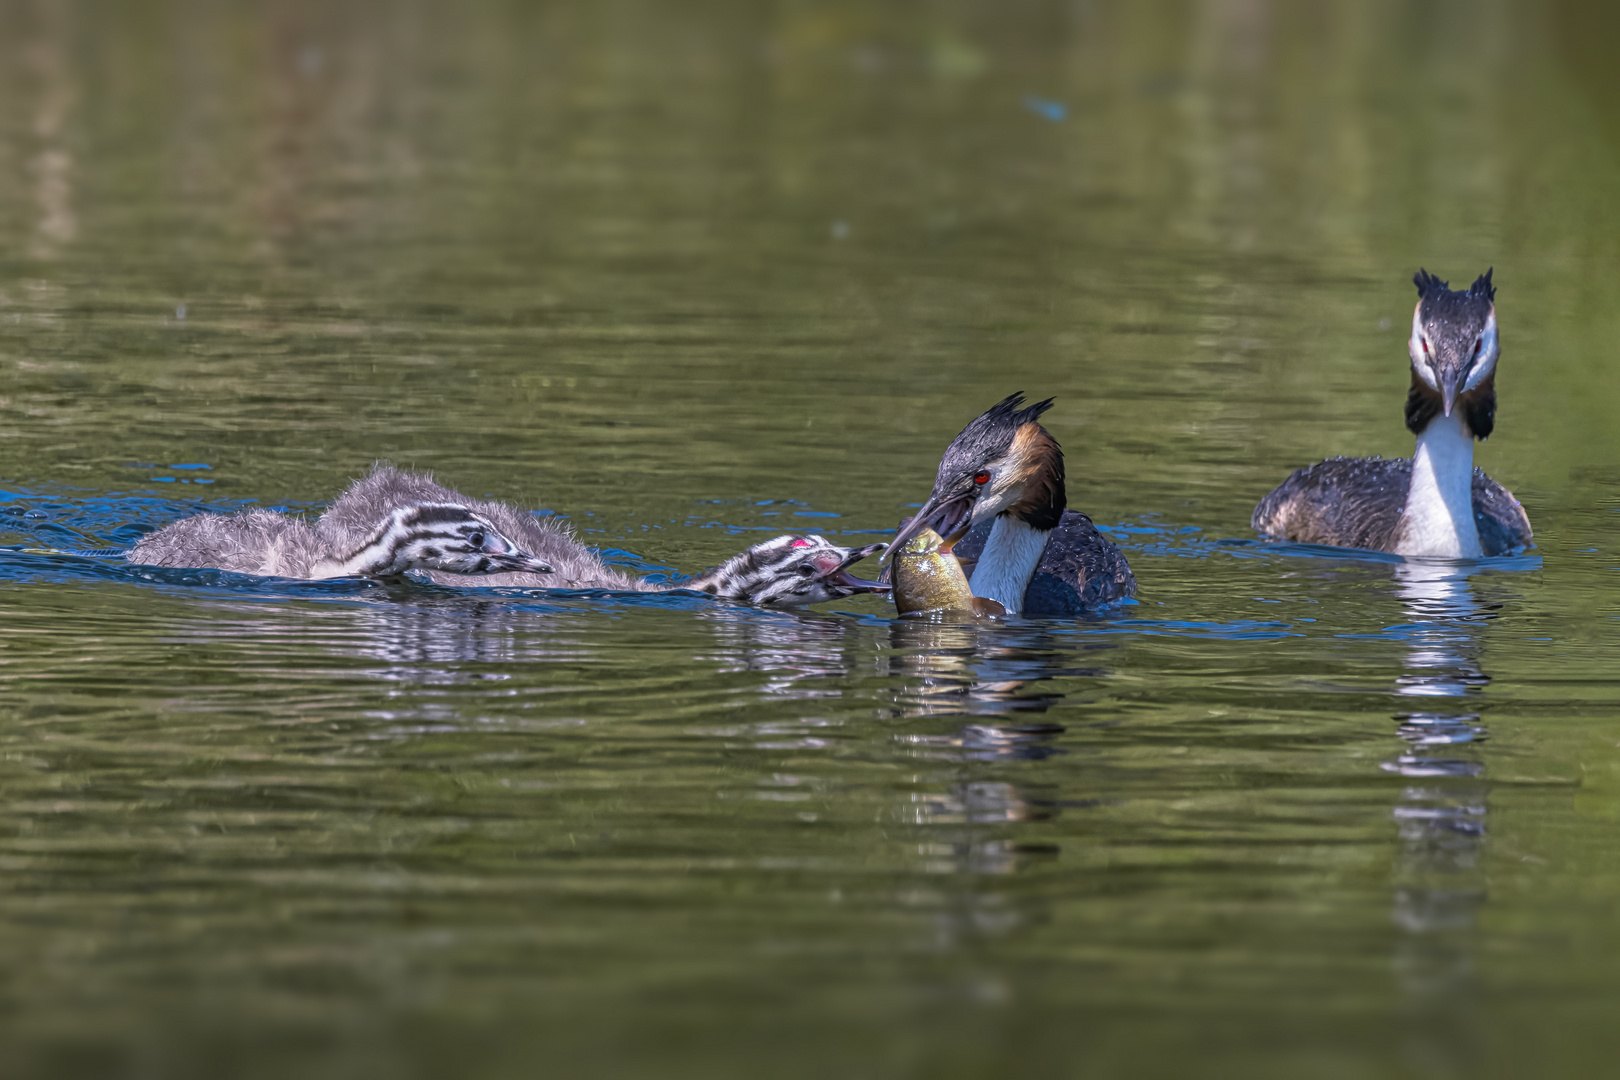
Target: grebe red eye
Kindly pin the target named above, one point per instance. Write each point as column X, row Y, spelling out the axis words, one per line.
column 982, row 478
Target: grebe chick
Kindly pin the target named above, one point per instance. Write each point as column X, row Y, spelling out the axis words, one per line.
column 1000, row 495
column 1434, row 504
column 418, row 536
column 787, row 570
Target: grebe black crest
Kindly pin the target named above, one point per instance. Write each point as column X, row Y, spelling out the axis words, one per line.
column 1434, row 504
column 391, row 522
column 1000, row 496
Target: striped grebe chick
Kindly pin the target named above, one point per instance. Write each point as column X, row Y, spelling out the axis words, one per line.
column 1435, row 504
column 789, row 571
column 785, row 571
column 418, row 536
column 1000, row 497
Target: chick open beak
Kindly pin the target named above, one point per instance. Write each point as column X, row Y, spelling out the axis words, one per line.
column 842, row 578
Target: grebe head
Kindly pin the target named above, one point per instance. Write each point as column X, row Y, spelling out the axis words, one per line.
column 1003, row 462
column 789, row 571
column 440, row 536
column 1454, row 351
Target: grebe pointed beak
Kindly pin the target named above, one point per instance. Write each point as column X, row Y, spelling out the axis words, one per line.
column 951, row 516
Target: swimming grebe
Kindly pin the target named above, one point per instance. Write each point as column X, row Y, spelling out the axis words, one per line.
column 1434, row 504
column 1000, row 495
column 419, row 536
column 458, row 541
column 785, row 571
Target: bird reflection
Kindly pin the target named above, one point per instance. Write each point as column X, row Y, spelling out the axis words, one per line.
column 429, row 643
column 400, row 637
column 973, row 666
column 1439, row 884
column 993, row 742
column 802, row 654
column 991, row 676
column 966, row 839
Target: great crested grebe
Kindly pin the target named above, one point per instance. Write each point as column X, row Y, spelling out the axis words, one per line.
column 1000, row 496
column 785, row 571
column 1434, row 504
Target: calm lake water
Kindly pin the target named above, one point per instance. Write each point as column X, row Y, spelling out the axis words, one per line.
column 690, row 276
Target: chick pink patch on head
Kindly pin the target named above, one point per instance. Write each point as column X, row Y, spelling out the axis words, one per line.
column 800, row 542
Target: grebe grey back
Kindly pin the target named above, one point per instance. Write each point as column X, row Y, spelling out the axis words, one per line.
column 417, row 536
column 1000, row 493
column 1435, row 504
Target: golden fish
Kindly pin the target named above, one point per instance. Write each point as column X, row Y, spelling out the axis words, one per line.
column 928, row 578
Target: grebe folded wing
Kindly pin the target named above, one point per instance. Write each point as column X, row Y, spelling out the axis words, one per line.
column 1340, row 502
column 1504, row 527
column 1079, row 571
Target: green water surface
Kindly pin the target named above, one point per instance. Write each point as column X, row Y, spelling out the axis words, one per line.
column 693, row 274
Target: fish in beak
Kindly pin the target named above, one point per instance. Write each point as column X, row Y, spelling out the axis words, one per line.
column 949, row 514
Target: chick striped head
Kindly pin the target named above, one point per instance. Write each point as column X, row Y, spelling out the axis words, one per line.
column 440, row 536
column 789, row 571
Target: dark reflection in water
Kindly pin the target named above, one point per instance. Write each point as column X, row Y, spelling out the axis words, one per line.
column 427, row 641
column 1439, row 879
column 979, row 670
column 799, row 652
column 980, row 667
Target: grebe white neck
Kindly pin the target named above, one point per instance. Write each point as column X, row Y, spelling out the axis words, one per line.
column 1438, row 521
column 1008, row 561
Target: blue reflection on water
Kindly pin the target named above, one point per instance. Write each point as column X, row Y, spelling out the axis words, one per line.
column 64, row 535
